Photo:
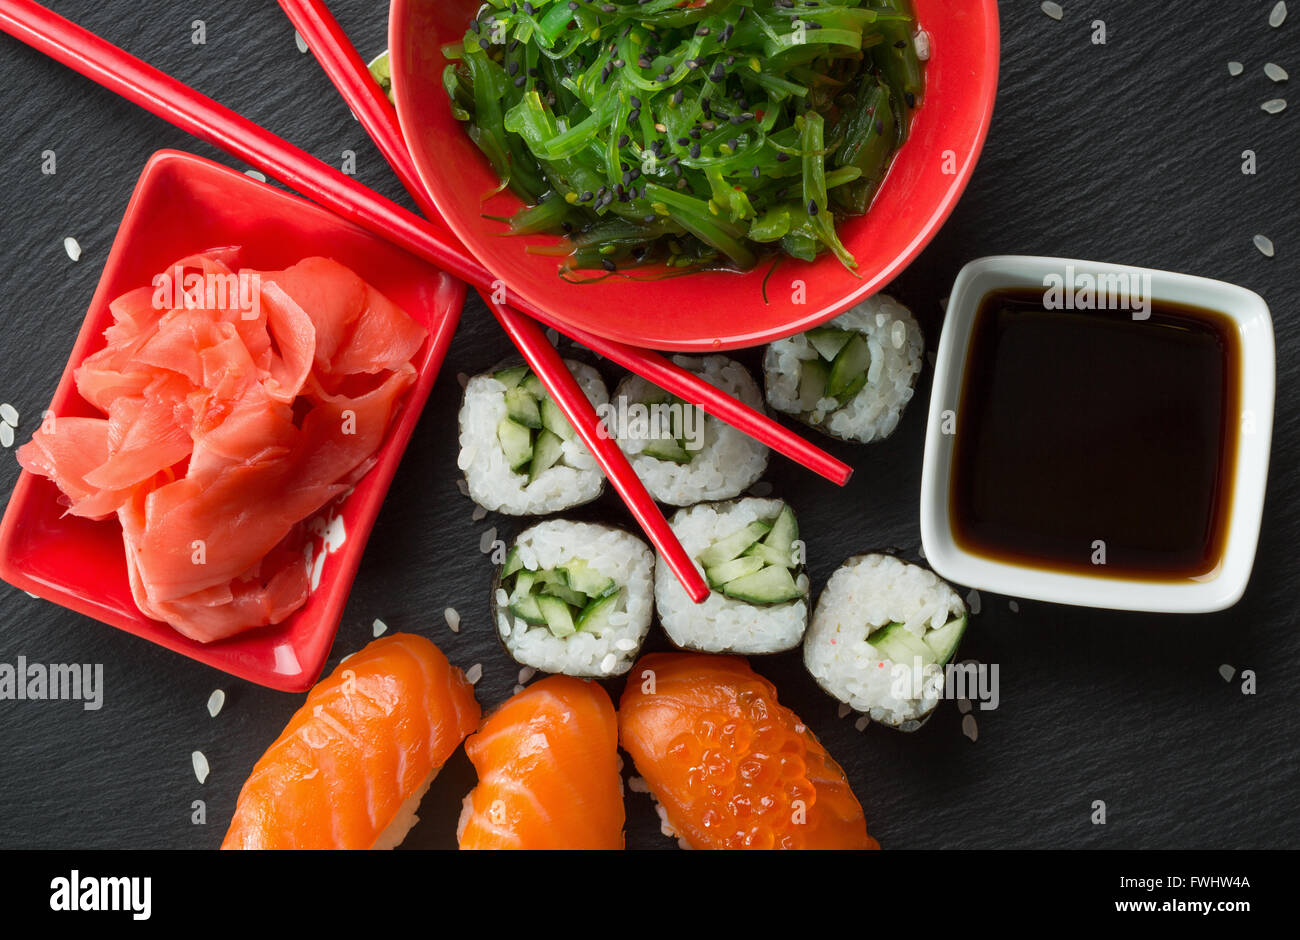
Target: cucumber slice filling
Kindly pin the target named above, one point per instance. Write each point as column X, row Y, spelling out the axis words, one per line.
column 840, row 370
column 759, row 563
column 566, row 599
column 533, row 433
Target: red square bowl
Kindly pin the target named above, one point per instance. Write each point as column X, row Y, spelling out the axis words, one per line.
column 184, row 204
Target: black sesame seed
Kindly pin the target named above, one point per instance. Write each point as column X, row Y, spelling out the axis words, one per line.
column 634, row 116
column 644, row 62
column 608, row 265
column 782, row 157
column 513, row 68
column 683, row 141
column 734, row 143
column 533, row 73
column 679, row 96
column 520, row 82
column 636, row 102
column 756, row 172
column 910, row 98
column 587, row 196
column 695, row 151
column 484, row 44
column 812, row 207
column 624, row 140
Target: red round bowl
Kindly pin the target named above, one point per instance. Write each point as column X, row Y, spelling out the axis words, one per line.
column 184, row 204
column 710, row 310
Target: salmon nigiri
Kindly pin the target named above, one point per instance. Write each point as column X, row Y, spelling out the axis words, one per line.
column 548, row 771
column 351, row 767
column 730, row 766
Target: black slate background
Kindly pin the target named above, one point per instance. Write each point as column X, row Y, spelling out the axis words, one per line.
column 1127, row 152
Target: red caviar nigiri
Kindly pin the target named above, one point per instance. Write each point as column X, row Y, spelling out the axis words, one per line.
column 730, row 766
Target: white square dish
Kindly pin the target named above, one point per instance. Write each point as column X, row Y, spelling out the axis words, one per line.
column 1220, row 588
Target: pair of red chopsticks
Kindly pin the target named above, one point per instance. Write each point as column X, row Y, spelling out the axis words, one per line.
column 184, row 107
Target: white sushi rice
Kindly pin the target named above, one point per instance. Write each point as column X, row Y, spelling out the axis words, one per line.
column 721, row 623
column 491, row 482
column 612, row 553
column 897, row 349
column 405, row 819
column 727, row 462
column 866, row 593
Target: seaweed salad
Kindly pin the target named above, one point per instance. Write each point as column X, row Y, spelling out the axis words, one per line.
column 688, row 133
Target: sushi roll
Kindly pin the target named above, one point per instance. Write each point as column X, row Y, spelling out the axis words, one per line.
column 730, row 766
column 548, row 772
column 575, row 598
column 853, row 377
column 519, row 454
column 750, row 554
column 881, row 634
column 350, row 768
column 683, row 455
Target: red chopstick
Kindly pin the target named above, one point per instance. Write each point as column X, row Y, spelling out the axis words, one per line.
column 182, row 106
column 345, row 68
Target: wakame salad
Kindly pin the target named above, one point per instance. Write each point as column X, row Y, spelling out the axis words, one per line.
column 688, row 133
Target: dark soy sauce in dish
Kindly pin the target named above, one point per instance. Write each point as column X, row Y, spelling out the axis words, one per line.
column 1084, row 427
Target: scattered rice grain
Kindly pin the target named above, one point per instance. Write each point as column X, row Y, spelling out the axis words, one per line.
column 973, row 601
column 474, row 673
column 462, row 378
column 1053, row 9
column 1015, row 607
column 1274, row 106
column 861, row 723
column 1277, row 16
column 453, row 619
column 256, row 174
column 526, row 673
column 843, row 710
column 6, row 435
column 969, row 728
column 1275, row 72
column 1262, row 242
column 300, row 42
column 9, row 413
column 963, row 705
column 200, row 763
column 215, row 701
column 923, row 46
column 73, row 249
column 379, row 627
column 608, row 663
column 462, row 486
column 638, row 785
column 479, row 514
column 487, row 539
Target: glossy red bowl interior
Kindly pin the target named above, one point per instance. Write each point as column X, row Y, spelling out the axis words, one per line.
column 184, row 204
column 717, row 309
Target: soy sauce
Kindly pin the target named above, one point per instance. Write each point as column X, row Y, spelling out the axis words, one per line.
column 1093, row 442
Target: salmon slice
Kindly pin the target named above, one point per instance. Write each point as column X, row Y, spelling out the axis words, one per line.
column 548, row 772
column 730, row 766
column 349, row 769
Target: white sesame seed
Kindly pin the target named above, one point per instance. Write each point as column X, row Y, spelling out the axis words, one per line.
column 1262, row 242
column 923, row 46
column 1274, row 105
column 200, row 763
column 72, row 248
column 299, row 41
column 1277, row 16
column 1275, row 72
column 215, row 701
column 9, row 414
column 379, row 627
column 453, row 619
column 1235, row 68
column 474, row 673
column 1053, row 9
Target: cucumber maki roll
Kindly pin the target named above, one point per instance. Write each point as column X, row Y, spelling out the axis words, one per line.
column 683, row 455
column 881, row 634
column 853, row 377
column 519, row 454
column 750, row 554
column 575, row 598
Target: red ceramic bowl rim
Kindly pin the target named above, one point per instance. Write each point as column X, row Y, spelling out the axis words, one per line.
column 979, row 104
column 310, row 653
